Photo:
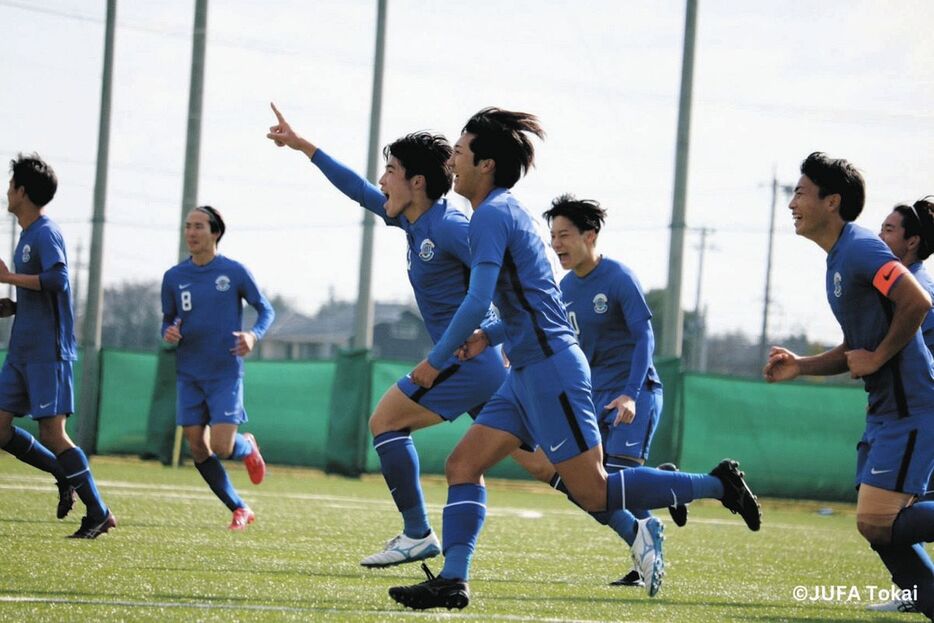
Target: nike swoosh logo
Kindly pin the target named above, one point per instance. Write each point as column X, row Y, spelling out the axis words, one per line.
column 182, row 286
column 889, row 274
column 634, row 443
column 568, row 304
column 555, row 448
column 876, row 472
column 674, row 497
column 234, row 412
column 45, row 405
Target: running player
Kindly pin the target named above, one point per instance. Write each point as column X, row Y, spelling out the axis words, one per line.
column 546, row 399
column 37, row 376
column 202, row 312
column 880, row 308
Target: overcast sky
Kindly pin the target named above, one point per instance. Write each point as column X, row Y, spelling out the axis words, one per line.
column 774, row 80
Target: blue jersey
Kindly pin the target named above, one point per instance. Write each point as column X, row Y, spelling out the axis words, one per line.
column 44, row 326
column 859, row 269
column 438, row 260
column 603, row 306
column 503, row 233
column 208, row 300
column 924, row 278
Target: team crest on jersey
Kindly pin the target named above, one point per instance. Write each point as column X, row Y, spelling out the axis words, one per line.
column 599, row 303
column 837, row 285
column 427, row 250
column 222, row 283
column 27, row 253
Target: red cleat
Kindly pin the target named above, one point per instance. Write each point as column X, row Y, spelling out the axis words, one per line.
column 255, row 465
column 242, row 517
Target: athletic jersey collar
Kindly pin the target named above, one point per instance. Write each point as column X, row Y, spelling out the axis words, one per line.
column 205, row 267
column 493, row 194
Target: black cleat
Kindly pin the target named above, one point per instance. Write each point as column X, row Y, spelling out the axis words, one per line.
column 93, row 528
column 679, row 513
column 630, row 579
column 66, row 499
column 737, row 496
column 432, row 593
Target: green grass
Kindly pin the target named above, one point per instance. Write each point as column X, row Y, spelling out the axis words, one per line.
column 172, row 559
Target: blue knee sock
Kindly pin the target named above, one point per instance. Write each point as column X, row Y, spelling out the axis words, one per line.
column 242, row 448
column 462, row 517
column 78, row 473
column 216, row 476
column 914, row 524
column 910, row 566
column 706, row 486
column 645, row 487
column 398, row 461
column 27, row 449
column 622, row 521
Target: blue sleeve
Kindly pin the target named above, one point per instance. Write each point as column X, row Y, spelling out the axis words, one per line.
column 265, row 313
column 54, row 279
column 469, row 315
column 455, row 232
column 169, row 312
column 353, row 185
column 641, row 357
column 489, row 236
column 495, row 329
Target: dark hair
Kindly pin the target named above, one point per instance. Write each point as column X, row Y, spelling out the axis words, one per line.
column 216, row 220
column 586, row 214
column 918, row 220
column 836, row 176
column 36, row 176
column 424, row 153
column 502, row 136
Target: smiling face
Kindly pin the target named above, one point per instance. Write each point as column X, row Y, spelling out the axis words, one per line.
column 813, row 216
column 470, row 180
column 398, row 189
column 576, row 250
column 893, row 235
column 198, row 236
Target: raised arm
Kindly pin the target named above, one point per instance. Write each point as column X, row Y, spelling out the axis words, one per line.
column 343, row 178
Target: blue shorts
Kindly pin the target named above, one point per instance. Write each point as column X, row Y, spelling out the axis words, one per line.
column 547, row 404
column 218, row 401
column 461, row 387
column 39, row 389
column 633, row 439
column 896, row 454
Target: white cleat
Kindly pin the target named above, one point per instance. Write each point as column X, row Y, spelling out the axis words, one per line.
column 896, row 605
column 401, row 549
column 647, row 553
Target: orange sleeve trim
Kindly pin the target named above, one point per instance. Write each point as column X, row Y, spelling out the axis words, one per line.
column 887, row 276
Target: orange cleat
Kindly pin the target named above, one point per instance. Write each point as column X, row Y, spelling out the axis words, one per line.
column 242, row 517
column 255, row 465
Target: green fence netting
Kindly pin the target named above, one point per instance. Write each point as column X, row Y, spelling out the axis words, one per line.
column 794, row 440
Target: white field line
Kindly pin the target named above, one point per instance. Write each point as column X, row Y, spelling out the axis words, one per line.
column 133, row 489
column 310, row 610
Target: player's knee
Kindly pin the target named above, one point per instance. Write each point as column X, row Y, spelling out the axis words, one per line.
column 223, row 451
column 379, row 423
column 459, row 469
column 874, row 531
column 199, row 450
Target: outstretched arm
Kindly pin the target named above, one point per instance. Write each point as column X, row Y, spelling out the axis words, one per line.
column 343, row 178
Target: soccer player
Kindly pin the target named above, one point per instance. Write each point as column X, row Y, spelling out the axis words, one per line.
column 901, row 231
column 411, row 197
column 202, row 312
column 37, row 376
column 880, row 307
column 545, row 400
column 607, row 310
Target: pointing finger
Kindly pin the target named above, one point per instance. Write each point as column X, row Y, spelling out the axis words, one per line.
column 278, row 114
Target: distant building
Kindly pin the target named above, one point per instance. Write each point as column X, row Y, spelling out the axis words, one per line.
column 398, row 333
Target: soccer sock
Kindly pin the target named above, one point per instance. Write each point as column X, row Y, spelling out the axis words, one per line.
column 462, row 518
column 242, row 448
column 398, row 461
column 27, row 449
column 216, row 476
column 622, row 521
column 78, row 473
column 910, row 566
column 646, row 487
column 615, row 464
column 705, row 486
column 914, row 524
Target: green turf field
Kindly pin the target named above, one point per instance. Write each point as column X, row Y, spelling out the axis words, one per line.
column 172, row 559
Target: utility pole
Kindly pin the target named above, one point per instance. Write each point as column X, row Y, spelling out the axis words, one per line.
column 91, row 328
column 671, row 334
column 700, row 319
column 764, row 335
column 78, row 266
column 363, row 315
